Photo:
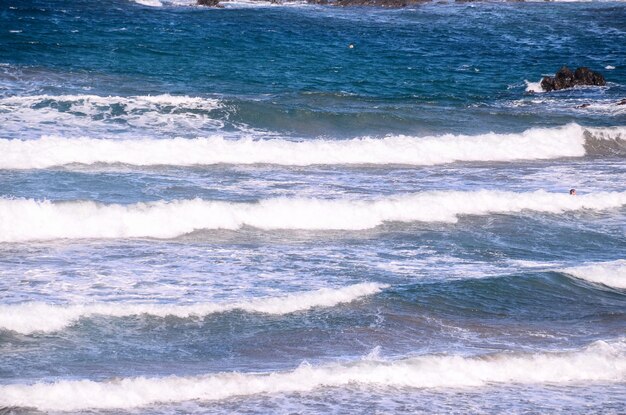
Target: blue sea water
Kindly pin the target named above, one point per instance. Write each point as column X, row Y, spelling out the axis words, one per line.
column 233, row 211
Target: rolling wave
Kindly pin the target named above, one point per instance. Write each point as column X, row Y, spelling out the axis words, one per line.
column 28, row 219
column 35, row 317
column 600, row 361
column 611, row 274
column 533, row 144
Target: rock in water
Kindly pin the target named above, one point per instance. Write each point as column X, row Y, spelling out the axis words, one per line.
column 209, row 3
column 369, row 3
column 585, row 76
column 565, row 78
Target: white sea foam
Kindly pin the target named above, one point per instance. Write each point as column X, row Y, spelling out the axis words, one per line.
column 225, row 3
column 260, row 4
column 27, row 219
column 605, row 106
column 600, row 361
column 534, row 86
column 577, row 1
column 609, row 67
column 612, row 274
column 74, row 114
column 151, row 3
column 88, row 103
column 33, row 317
column 537, row 143
column 563, row 105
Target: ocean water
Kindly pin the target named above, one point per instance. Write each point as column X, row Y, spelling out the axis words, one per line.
column 230, row 210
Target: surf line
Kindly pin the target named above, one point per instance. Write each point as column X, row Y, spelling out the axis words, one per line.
column 28, row 220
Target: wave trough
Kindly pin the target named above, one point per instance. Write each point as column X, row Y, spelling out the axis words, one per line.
column 27, row 219
column 34, row 317
column 533, row 144
column 600, row 361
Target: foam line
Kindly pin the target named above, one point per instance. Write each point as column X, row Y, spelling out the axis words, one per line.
column 600, row 361
column 611, row 274
column 39, row 317
column 92, row 103
column 27, row 117
column 27, row 219
column 533, row 144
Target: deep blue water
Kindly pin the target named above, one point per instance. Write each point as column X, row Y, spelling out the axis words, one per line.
column 232, row 211
column 289, row 69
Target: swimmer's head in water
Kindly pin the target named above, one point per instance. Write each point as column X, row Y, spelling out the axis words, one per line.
column 572, row 192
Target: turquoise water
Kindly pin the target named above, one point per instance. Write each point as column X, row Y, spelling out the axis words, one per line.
column 232, row 211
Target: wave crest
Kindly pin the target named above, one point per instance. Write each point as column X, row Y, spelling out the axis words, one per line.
column 27, row 219
column 605, row 142
column 600, row 361
column 612, row 274
column 539, row 143
column 33, row 317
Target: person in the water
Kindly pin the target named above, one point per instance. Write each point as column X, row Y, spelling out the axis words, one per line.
column 572, row 192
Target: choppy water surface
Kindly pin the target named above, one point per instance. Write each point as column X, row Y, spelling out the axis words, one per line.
column 231, row 211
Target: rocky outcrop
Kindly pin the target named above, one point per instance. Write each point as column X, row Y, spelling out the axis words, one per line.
column 372, row 3
column 565, row 78
column 338, row 3
column 622, row 102
column 209, row 3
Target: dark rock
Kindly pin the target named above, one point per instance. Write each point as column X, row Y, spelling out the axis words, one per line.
column 369, row 3
column 565, row 78
column 622, row 102
column 585, row 76
column 583, row 106
column 209, row 3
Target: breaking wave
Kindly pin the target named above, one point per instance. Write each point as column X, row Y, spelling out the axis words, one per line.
column 534, row 86
column 600, row 142
column 149, row 3
column 600, row 361
column 612, row 274
column 223, row 3
column 28, row 219
column 102, row 115
column 537, row 143
column 33, row 317
column 90, row 103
